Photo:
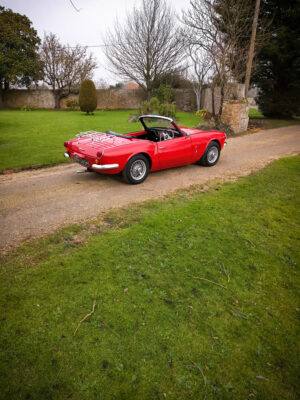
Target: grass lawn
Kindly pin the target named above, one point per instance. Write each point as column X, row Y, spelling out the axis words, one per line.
column 33, row 138
column 257, row 119
column 255, row 113
column 196, row 298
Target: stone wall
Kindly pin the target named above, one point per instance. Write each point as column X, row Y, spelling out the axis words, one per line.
column 107, row 99
column 43, row 98
column 235, row 114
column 16, row 98
column 112, row 99
column 233, row 91
column 185, row 99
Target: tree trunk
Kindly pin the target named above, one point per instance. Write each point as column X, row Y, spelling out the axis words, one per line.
column 197, row 92
column 222, row 90
column 56, row 100
column 149, row 93
column 251, row 47
column 213, row 108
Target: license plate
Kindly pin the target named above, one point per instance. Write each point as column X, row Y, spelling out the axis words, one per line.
column 81, row 161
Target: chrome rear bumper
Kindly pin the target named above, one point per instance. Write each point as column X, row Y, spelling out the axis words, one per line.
column 98, row 166
column 104, row 166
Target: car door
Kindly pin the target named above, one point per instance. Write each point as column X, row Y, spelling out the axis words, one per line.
column 175, row 152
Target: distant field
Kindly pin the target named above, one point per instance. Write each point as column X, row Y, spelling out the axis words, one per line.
column 32, row 138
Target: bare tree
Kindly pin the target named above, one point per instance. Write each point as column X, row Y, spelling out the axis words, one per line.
column 219, row 37
column 64, row 67
column 147, row 46
column 101, row 84
column 200, row 67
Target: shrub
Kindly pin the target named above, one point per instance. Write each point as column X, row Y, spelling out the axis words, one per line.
column 168, row 110
column 133, row 118
column 203, row 114
column 211, row 124
column 25, row 108
column 145, row 108
column 72, row 104
column 165, row 93
column 153, row 106
column 87, row 96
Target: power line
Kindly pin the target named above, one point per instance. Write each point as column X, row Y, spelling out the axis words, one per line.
column 75, row 8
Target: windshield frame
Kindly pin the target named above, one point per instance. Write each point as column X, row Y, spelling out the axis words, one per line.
column 170, row 120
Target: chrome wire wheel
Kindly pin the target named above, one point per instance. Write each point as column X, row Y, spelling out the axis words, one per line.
column 212, row 154
column 138, row 170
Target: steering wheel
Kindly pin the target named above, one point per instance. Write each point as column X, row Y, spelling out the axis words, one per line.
column 166, row 134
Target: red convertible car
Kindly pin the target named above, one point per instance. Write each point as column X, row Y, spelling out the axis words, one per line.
column 159, row 145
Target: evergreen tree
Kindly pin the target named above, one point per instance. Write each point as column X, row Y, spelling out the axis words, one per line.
column 277, row 74
column 19, row 61
column 87, row 96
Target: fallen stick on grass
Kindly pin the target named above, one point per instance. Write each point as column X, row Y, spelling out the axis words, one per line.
column 207, row 280
column 86, row 317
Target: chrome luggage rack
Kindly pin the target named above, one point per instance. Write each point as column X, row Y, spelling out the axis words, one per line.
column 95, row 136
column 87, row 133
column 99, row 136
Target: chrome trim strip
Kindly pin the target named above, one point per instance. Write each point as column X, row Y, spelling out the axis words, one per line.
column 67, row 155
column 105, row 166
column 155, row 116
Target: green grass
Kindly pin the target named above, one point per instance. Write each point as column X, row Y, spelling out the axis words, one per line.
column 196, row 298
column 34, row 138
column 257, row 119
column 255, row 113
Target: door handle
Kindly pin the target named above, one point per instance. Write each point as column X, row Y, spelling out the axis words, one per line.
column 161, row 147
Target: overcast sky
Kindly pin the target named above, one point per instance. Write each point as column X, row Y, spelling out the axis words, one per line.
column 85, row 27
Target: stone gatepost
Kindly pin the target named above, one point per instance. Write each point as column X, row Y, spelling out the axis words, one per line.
column 235, row 114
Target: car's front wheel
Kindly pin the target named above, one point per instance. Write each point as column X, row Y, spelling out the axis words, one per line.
column 136, row 170
column 211, row 156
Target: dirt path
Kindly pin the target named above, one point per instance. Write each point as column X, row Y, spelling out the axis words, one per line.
column 34, row 203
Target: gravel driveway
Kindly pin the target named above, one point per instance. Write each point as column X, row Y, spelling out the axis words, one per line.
column 34, row 203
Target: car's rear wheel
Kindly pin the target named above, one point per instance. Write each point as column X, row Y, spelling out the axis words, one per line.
column 136, row 170
column 211, row 155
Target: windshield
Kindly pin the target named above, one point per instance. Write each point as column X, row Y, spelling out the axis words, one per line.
column 157, row 122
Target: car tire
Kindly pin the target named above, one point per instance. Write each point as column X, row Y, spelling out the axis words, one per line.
column 136, row 170
column 211, row 155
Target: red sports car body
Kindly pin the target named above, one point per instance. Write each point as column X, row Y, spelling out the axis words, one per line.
column 159, row 145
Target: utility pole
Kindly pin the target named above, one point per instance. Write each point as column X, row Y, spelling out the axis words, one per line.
column 251, row 47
